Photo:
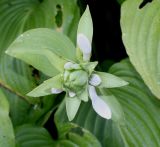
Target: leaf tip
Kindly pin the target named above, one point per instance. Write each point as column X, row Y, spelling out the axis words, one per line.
column 8, row 52
column 30, row 94
column 125, row 83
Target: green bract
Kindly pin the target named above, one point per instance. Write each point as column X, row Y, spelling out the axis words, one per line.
column 70, row 68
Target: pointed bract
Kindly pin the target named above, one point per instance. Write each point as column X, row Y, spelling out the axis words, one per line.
column 110, row 81
column 72, row 106
column 46, row 87
column 85, row 25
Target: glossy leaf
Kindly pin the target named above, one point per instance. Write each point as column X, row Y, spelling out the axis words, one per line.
column 45, row 88
column 141, row 112
column 140, row 32
column 44, row 49
column 110, row 81
column 6, row 129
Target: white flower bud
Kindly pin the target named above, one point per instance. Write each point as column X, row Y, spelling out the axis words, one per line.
column 72, row 94
column 95, row 80
column 85, row 46
column 56, row 91
column 68, row 65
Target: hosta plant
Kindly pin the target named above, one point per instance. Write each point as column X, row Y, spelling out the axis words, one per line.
column 58, row 87
column 54, row 54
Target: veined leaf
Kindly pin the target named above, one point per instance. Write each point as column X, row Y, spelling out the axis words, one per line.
column 28, row 135
column 141, row 111
column 141, row 37
column 70, row 136
column 141, row 108
column 6, row 129
column 44, row 49
column 116, row 108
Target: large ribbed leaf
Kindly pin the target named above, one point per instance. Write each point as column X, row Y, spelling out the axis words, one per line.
column 31, row 136
column 17, row 16
column 6, row 130
column 70, row 136
column 141, row 36
column 141, row 108
column 141, row 111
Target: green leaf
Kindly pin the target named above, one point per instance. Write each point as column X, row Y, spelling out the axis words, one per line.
column 140, row 32
column 44, row 49
column 110, row 81
column 6, row 129
column 28, row 135
column 141, row 111
column 45, row 88
column 70, row 135
column 22, row 112
column 72, row 105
